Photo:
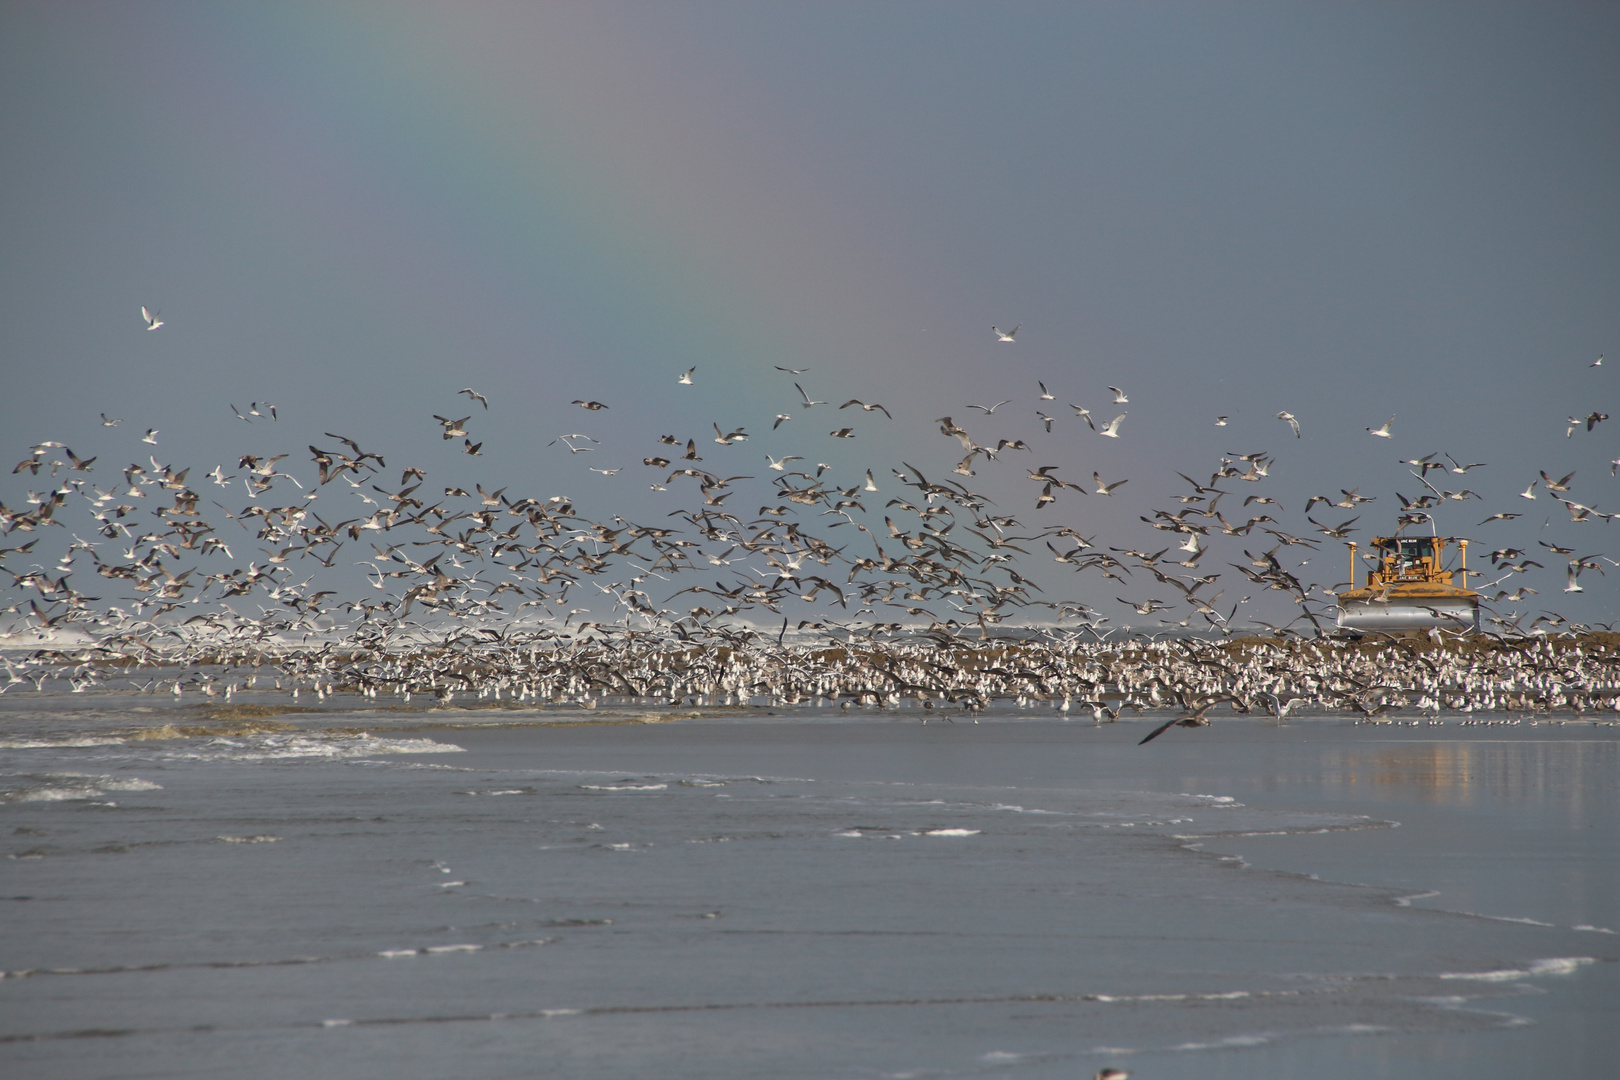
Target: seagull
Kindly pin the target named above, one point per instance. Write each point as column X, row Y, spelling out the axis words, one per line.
column 778, row 464
column 843, row 433
column 150, row 436
column 1119, row 396
column 1459, row 467
column 1112, row 1074
column 871, row 485
column 1111, row 429
column 452, row 428
column 1046, row 395
column 780, row 418
column 686, row 380
column 1192, row 718
column 107, row 421
column 1557, row 485
column 1382, row 432
column 1005, row 336
column 808, row 401
column 988, row 410
column 1078, row 411
column 1106, row 489
column 1220, row 421
column 1291, row 421
column 868, row 408
column 594, row 406
column 791, row 370
column 475, row 395
column 151, row 317
column 1529, row 492
column 1598, row 362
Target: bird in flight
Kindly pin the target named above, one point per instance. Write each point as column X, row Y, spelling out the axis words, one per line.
column 1046, row 395
column 1220, row 421
column 452, row 428
column 791, row 370
column 1119, row 396
column 1111, row 429
column 594, row 406
column 150, row 436
column 151, row 317
column 1005, row 336
column 475, row 395
column 686, row 380
column 1106, row 489
column 108, row 421
column 1291, row 420
column 868, row 408
column 1382, row 432
column 808, row 402
column 988, row 409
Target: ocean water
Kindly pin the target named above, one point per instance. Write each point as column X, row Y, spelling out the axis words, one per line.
column 198, row 890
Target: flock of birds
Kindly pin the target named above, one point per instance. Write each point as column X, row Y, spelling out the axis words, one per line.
column 929, row 600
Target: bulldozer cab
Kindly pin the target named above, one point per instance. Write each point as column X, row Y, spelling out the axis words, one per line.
column 1409, row 559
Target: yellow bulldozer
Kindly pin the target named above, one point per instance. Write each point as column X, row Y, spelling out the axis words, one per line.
column 1410, row 589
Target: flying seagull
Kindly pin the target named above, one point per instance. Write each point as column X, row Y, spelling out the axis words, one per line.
column 1382, row 432
column 1111, row 429
column 475, row 395
column 686, row 380
column 989, row 409
column 1291, row 420
column 151, row 317
column 1005, row 336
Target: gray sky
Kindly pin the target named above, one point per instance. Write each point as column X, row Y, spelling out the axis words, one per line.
column 1344, row 211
